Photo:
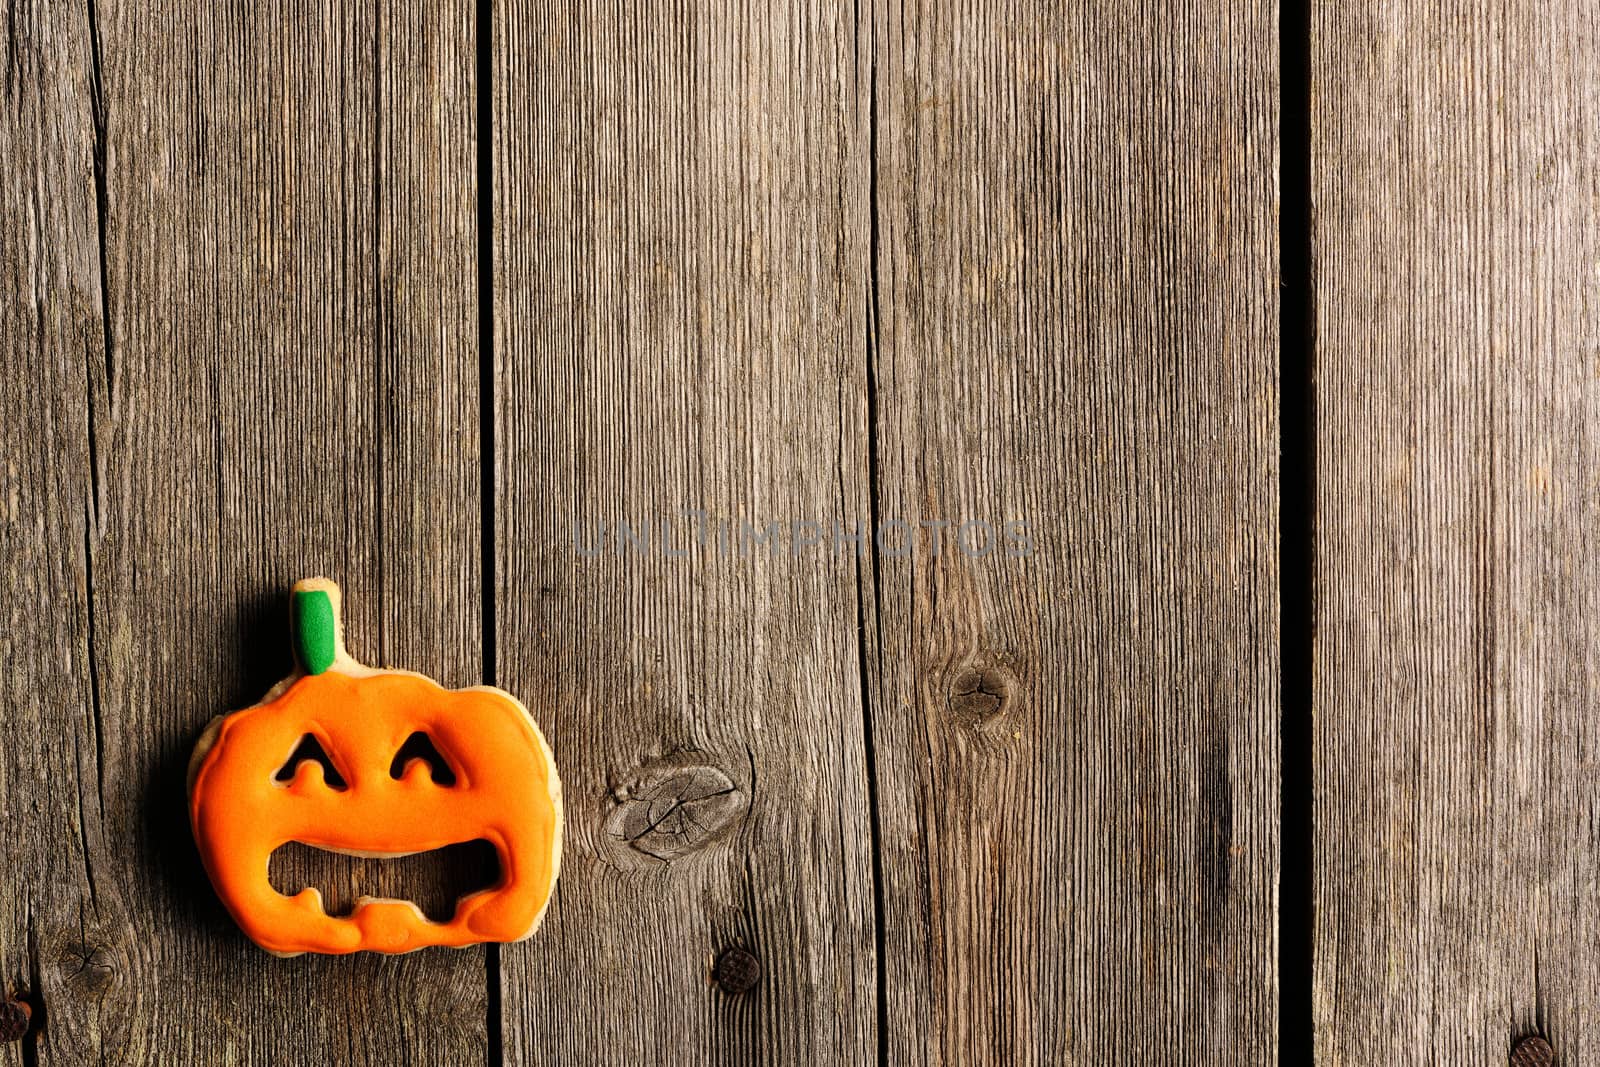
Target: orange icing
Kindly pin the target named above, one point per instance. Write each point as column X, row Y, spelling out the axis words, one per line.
column 506, row 792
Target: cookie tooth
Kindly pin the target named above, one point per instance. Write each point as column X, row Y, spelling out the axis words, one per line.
column 309, row 779
column 416, row 774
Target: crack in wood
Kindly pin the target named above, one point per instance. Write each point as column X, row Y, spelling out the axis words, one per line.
column 667, row 815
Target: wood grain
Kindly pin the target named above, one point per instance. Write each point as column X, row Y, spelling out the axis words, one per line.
column 680, row 292
column 1075, row 327
column 1456, row 174
column 284, row 382
column 49, row 319
column 1054, row 308
column 767, row 282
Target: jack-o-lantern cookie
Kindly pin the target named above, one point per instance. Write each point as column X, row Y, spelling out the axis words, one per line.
column 505, row 791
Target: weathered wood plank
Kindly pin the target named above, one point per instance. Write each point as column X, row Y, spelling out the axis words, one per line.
column 1076, row 327
column 286, row 384
column 680, row 292
column 1455, row 172
column 49, row 324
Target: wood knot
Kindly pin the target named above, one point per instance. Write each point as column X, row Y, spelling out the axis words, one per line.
column 15, row 1017
column 980, row 695
column 668, row 812
column 736, row 971
column 1532, row 1052
column 88, row 967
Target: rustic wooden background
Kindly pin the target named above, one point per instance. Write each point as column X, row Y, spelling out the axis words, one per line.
column 1454, row 172
column 401, row 296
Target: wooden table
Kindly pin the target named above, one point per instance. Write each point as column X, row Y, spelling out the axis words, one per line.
column 1120, row 482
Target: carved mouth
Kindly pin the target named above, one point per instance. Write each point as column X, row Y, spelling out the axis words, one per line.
column 434, row 881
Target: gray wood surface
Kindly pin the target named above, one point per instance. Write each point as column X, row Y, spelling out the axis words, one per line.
column 757, row 270
column 1076, row 325
column 283, row 381
column 49, row 320
column 804, row 268
column 1455, row 178
column 681, row 231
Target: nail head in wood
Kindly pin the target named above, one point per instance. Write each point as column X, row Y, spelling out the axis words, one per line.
column 14, row 1017
column 1532, row 1052
column 736, row 971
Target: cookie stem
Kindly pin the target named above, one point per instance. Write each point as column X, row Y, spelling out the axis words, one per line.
column 316, row 625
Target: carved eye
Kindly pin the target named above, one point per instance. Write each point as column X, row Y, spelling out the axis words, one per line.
column 419, row 746
column 311, row 749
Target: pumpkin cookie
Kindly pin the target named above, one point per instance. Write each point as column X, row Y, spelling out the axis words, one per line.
column 505, row 791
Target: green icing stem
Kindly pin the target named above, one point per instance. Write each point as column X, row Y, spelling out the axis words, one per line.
column 316, row 638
